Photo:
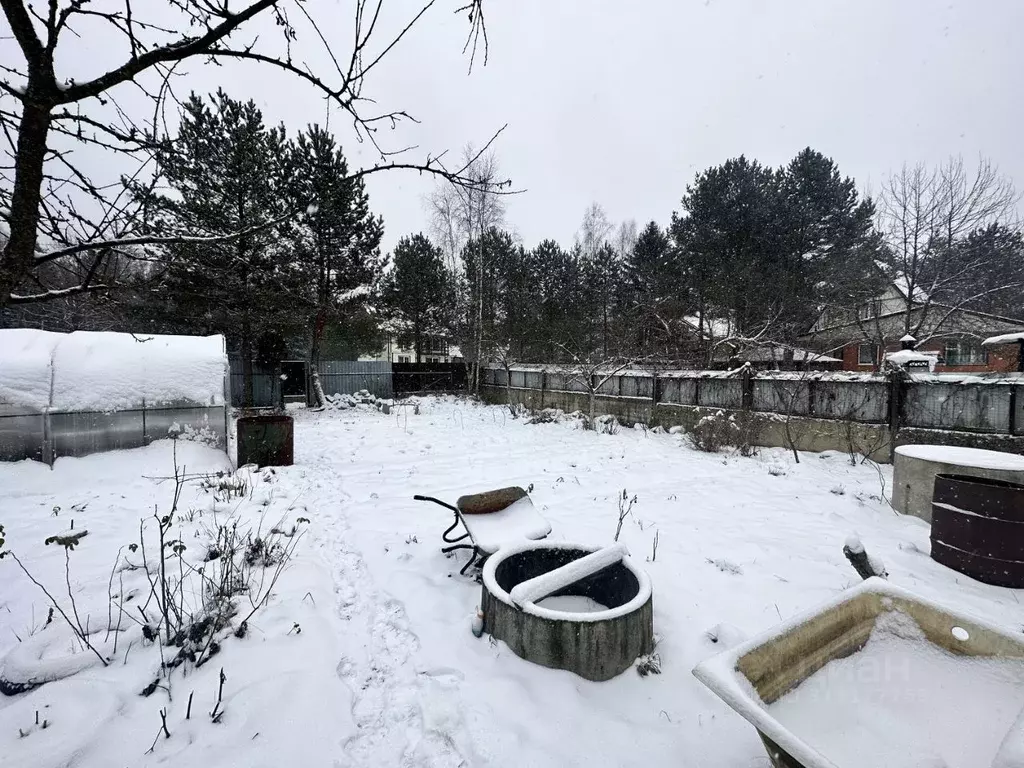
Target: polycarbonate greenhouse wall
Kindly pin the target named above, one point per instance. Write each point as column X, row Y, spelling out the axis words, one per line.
column 86, row 392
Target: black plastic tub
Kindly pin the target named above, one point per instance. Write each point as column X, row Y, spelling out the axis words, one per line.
column 978, row 528
column 267, row 440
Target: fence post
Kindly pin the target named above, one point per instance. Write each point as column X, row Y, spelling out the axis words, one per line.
column 655, row 384
column 747, row 386
column 897, row 396
column 543, row 385
column 1013, row 409
column 810, row 396
column 696, row 391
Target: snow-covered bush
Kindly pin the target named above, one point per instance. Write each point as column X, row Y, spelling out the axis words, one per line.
column 739, row 430
column 714, row 432
column 606, row 425
column 200, row 434
column 547, row 416
column 748, row 432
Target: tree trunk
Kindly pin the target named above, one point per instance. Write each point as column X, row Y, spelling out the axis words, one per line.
column 19, row 253
column 316, row 343
column 479, row 309
column 318, row 389
column 508, row 384
column 417, row 338
column 604, row 326
column 246, row 352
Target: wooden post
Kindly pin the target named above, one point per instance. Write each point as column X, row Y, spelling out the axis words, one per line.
column 897, row 394
column 655, row 396
column 543, row 385
column 1013, row 409
column 747, row 385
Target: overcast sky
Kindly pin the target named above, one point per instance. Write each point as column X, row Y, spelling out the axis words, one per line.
column 623, row 102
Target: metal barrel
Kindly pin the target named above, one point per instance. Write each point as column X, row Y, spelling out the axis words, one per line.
column 978, row 528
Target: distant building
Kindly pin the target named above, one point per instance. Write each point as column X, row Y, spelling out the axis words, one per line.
column 397, row 348
column 864, row 338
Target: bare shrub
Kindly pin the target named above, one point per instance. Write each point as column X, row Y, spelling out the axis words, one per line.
column 625, row 510
column 747, row 433
column 714, row 432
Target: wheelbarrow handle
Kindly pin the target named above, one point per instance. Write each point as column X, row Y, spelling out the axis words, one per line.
column 417, row 497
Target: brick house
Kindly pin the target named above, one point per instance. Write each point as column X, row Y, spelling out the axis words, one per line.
column 954, row 335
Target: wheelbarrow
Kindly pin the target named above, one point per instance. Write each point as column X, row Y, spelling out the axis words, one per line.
column 488, row 521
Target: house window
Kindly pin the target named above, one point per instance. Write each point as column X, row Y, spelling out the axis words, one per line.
column 963, row 352
column 870, row 310
column 403, row 358
column 867, row 354
column 437, row 344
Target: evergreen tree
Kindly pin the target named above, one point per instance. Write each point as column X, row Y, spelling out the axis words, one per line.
column 832, row 239
column 734, row 231
column 603, row 279
column 416, row 290
column 563, row 315
column 983, row 271
column 228, row 172
column 336, row 244
column 768, row 248
column 483, row 290
column 654, row 294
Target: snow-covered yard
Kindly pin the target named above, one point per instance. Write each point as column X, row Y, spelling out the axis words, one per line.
column 364, row 655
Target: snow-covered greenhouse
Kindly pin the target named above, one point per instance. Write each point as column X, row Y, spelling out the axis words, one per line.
column 71, row 394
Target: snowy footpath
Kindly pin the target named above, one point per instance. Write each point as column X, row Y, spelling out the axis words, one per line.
column 363, row 655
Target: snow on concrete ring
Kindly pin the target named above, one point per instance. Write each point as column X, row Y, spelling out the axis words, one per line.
column 596, row 627
column 916, row 466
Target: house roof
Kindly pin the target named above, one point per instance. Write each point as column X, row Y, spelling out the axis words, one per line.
column 1006, row 338
column 901, row 283
column 775, row 353
column 933, row 305
column 719, row 327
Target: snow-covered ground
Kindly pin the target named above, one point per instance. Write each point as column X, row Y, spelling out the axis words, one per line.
column 364, row 654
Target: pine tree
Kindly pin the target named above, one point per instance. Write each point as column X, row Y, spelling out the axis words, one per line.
column 482, row 287
column 769, row 247
column 653, row 292
column 416, row 291
column 831, row 236
column 336, row 243
column 603, row 276
column 989, row 263
column 228, row 173
column 562, row 316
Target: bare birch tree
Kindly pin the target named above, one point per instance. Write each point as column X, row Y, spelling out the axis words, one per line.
column 461, row 213
column 625, row 238
column 594, row 231
column 924, row 214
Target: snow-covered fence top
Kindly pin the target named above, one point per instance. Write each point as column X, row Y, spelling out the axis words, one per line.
column 989, row 403
column 100, row 371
